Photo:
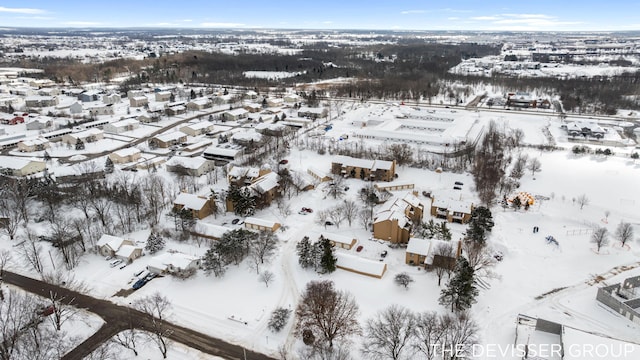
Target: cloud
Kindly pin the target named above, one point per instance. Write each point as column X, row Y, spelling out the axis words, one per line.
column 221, row 24
column 82, row 23
column 523, row 21
column 328, row 22
column 186, row 20
column 406, row 12
column 21, row 10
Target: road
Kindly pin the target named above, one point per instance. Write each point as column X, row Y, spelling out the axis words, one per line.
column 118, row 318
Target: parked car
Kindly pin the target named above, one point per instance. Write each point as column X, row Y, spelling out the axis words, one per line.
column 301, row 212
column 359, row 248
column 284, row 162
column 458, row 183
column 457, row 188
column 384, row 253
column 328, row 223
column 138, row 284
column 308, row 210
column 46, row 310
column 235, row 221
column 116, row 262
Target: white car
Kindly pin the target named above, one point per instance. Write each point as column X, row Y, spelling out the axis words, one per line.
column 116, row 262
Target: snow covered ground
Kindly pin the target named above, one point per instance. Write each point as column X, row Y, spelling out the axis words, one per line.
column 237, row 306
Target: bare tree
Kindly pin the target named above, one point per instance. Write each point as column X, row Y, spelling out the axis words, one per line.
column 9, row 217
column 583, row 200
column 429, row 334
column 366, row 218
column 401, row 153
column 262, row 248
column 330, row 313
column 64, row 308
column 350, row 210
column 128, row 339
column 534, row 165
column 480, row 259
column 322, row 216
column 336, row 214
column 600, row 237
column 18, row 314
column 403, row 279
column 284, row 208
column 266, row 277
column 388, row 335
column 460, row 332
column 5, row 258
column 444, row 251
column 31, row 252
column 335, row 187
column 156, row 307
column 624, row 233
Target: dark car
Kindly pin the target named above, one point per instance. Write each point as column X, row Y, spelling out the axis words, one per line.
column 284, row 161
column 457, row 188
column 384, row 253
column 328, row 223
column 235, row 221
column 458, row 183
column 140, row 283
column 359, row 248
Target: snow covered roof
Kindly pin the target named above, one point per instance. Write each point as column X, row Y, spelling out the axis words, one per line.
column 259, row 222
column 127, row 250
column 339, row 238
column 215, row 231
column 15, row 162
column 418, row 246
column 35, row 142
column 190, row 201
column 113, row 242
column 265, row 182
column 360, row 265
column 193, row 163
column 247, row 136
column 86, row 133
column 167, row 137
column 176, row 260
column 236, row 112
column 125, row 122
column 575, row 343
column 199, row 125
column 127, row 152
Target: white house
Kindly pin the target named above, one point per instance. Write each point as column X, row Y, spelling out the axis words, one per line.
column 121, row 126
column 173, row 263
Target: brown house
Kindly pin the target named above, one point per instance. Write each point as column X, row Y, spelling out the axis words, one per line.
column 424, row 252
column 200, row 206
column 262, row 184
column 395, row 218
column 374, row 170
column 168, row 139
column 252, row 223
column 451, row 210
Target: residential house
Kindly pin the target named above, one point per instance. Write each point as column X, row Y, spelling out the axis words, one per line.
column 200, row 206
column 275, row 102
column 86, row 136
column 168, row 139
column 134, row 93
column 175, row 110
column 126, row 155
column 163, row 96
column 38, row 101
column 199, row 128
column 111, row 99
column 138, row 101
column 359, row 265
column 313, row 113
column 394, row 219
column 40, row 123
column 249, row 138
column 114, row 246
column 89, row 96
column 76, row 108
column 173, row 263
column 199, row 104
column 223, row 153
column 292, row 98
column 209, row 231
column 193, row 166
column 585, row 129
column 234, row 114
column 31, row 145
column 341, row 241
column 121, row 126
column 19, row 166
column 253, row 107
column 451, row 210
column 318, row 174
column 262, row 184
column 102, row 109
column 375, row 170
column 394, row 186
column 424, row 252
column 252, row 223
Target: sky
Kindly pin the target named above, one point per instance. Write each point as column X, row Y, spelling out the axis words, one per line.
column 502, row 15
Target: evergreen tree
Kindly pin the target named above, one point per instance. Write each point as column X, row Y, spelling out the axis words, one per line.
column 316, row 255
column 279, row 318
column 47, row 157
column 304, row 249
column 480, row 223
column 444, row 233
column 155, row 243
column 244, row 204
column 327, row 260
column 108, row 166
column 516, row 203
column 461, row 291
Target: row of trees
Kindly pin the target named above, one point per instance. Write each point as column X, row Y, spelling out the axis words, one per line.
column 236, row 245
column 326, row 318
